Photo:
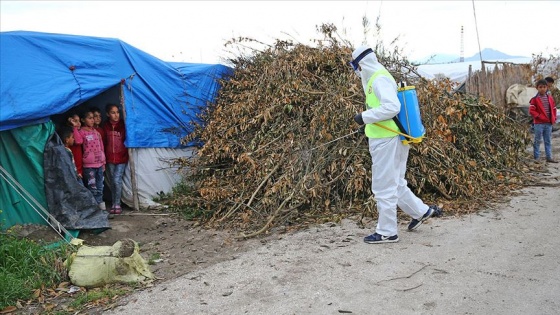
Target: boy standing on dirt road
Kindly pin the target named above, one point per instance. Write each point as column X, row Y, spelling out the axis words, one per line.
column 543, row 111
column 388, row 154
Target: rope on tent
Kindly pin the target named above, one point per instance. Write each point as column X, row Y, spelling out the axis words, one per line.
column 45, row 215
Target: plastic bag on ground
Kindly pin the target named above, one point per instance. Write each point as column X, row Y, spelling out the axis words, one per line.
column 95, row 266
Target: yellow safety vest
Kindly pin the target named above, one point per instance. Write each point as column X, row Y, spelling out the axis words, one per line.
column 373, row 131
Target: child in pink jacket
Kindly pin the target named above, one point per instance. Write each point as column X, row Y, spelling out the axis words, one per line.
column 93, row 157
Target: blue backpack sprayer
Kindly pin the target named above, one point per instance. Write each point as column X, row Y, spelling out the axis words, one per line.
column 409, row 119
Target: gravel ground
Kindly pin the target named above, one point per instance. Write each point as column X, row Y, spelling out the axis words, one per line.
column 502, row 260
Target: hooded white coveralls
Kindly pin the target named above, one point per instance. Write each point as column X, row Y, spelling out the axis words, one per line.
column 388, row 155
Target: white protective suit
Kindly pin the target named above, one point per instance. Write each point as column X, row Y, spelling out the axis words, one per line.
column 388, row 155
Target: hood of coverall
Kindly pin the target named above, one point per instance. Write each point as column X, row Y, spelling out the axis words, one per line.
column 369, row 65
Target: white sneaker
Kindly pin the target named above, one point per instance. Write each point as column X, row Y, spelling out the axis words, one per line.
column 102, row 206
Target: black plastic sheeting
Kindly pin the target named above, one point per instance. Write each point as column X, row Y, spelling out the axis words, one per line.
column 68, row 200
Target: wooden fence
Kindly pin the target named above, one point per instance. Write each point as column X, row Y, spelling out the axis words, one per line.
column 492, row 84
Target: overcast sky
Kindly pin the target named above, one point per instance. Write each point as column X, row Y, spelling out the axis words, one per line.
column 196, row 31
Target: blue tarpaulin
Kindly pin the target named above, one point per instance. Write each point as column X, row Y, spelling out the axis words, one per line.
column 46, row 74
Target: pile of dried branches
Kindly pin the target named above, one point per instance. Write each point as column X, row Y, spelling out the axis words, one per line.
column 281, row 148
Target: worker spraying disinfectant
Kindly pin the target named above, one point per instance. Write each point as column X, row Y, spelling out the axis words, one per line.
column 389, row 153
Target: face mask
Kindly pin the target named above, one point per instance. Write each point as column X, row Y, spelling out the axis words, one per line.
column 356, row 62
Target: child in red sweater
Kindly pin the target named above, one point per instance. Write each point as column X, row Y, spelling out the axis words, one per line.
column 116, row 153
column 543, row 111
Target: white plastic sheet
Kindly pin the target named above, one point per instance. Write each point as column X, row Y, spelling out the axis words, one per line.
column 153, row 173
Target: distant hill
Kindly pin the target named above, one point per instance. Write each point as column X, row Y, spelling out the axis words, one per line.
column 491, row 54
column 487, row 54
column 437, row 58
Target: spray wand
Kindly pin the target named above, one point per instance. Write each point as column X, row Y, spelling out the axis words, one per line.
column 324, row 144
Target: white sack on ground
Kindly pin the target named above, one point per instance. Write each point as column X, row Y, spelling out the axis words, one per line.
column 95, row 266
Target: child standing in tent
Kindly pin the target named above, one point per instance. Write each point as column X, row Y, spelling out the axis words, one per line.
column 93, row 157
column 66, row 133
column 73, row 120
column 116, row 152
column 97, row 119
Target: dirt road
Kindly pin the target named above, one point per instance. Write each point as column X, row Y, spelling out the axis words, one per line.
column 504, row 260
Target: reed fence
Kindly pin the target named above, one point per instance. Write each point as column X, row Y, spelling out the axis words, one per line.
column 492, row 82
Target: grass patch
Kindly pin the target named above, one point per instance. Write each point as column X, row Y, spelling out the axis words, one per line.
column 180, row 188
column 190, row 213
column 26, row 266
column 173, row 199
column 99, row 295
column 153, row 258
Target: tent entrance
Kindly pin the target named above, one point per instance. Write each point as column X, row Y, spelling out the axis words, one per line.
column 109, row 96
column 98, row 102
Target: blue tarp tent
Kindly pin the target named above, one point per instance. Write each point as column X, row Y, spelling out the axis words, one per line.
column 45, row 75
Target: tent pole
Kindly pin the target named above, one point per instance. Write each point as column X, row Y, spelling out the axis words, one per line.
column 133, row 180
